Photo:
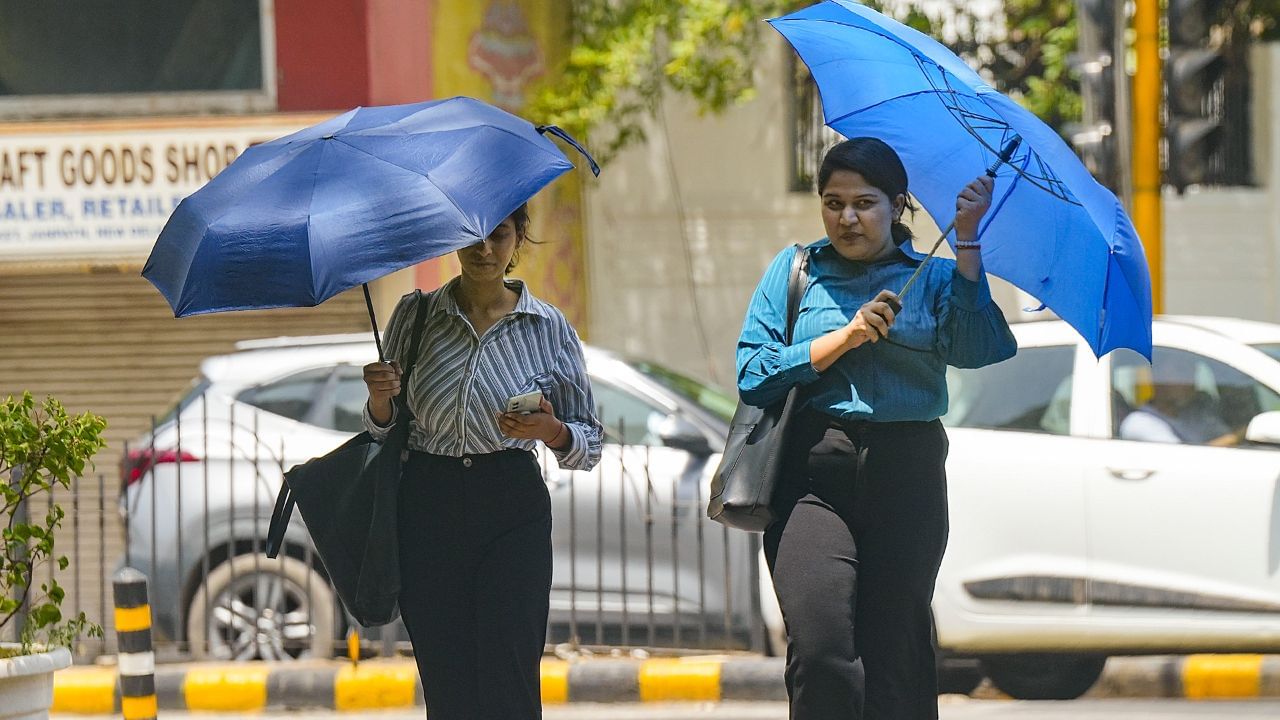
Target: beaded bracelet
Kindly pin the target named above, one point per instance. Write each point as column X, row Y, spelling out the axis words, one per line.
column 962, row 245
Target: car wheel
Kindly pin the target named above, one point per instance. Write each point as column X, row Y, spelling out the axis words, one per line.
column 959, row 677
column 262, row 608
column 1044, row 677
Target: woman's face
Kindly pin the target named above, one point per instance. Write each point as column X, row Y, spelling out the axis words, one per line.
column 488, row 260
column 859, row 216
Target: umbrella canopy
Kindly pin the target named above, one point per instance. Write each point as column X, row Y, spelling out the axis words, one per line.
column 1052, row 231
column 297, row 220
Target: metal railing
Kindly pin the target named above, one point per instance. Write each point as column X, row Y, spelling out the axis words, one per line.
column 638, row 566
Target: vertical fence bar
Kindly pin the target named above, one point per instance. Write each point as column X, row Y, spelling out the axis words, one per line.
column 648, row 544
column 675, row 559
column 126, row 469
column 177, row 523
column 757, row 612
column 599, row 485
column 728, row 589
column 151, row 468
column 261, row 591
column 624, row 486
column 204, row 522
column 75, row 549
column 574, row 639
column 51, row 566
column 102, row 555
column 702, row 566
column 228, row 634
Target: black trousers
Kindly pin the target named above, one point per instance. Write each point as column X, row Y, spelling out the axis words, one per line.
column 854, row 556
column 475, row 566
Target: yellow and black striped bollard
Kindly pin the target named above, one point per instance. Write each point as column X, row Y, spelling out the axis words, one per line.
column 136, row 660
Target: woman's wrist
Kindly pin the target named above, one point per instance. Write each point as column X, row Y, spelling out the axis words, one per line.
column 853, row 337
column 380, row 412
column 555, row 443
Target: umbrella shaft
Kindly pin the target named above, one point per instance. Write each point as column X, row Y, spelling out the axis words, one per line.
column 377, row 339
column 927, row 258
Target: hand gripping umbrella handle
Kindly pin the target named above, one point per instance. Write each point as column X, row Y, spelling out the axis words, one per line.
column 555, row 130
column 1006, row 154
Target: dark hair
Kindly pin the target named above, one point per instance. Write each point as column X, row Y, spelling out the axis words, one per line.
column 521, row 219
column 878, row 164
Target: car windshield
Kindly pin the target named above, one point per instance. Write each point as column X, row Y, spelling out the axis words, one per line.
column 194, row 390
column 709, row 398
column 1272, row 349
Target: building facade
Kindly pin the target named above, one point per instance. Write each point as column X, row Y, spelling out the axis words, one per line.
column 112, row 113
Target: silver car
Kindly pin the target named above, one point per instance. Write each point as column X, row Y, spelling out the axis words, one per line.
column 636, row 561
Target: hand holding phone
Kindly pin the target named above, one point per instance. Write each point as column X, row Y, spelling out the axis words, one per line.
column 527, row 403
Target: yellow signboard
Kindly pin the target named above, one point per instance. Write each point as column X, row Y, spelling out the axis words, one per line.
column 501, row 51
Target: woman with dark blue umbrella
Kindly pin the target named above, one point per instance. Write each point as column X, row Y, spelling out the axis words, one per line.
column 475, row 516
column 862, row 506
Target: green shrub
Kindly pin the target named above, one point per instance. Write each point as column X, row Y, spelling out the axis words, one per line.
column 41, row 447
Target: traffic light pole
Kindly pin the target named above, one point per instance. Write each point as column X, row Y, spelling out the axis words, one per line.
column 1123, row 129
column 1147, row 100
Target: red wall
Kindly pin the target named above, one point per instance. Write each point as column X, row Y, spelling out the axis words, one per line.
column 321, row 54
column 337, row 54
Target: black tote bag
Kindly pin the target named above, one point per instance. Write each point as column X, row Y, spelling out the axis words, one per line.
column 349, row 501
column 751, row 466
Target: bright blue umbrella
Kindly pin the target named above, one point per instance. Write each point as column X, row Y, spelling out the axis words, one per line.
column 1053, row 230
column 295, row 221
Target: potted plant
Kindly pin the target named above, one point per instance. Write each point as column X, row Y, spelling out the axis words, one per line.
column 41, row 448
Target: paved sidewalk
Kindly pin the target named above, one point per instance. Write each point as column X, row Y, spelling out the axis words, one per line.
column 337, row 685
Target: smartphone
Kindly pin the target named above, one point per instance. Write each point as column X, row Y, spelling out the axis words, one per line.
column 526, row 403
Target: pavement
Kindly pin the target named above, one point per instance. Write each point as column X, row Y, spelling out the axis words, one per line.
column 393, row 683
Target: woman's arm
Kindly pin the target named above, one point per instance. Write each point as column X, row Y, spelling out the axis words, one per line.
column 974, row 332
column 576, row 445
column 382, row 379
column 767, row 366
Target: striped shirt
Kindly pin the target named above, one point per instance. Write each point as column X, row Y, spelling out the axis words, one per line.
column 461, row 379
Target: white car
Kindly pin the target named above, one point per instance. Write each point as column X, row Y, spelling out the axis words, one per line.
column 1069, row 544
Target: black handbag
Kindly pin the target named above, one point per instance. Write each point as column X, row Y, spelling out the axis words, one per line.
column 751, row 466
column 349, row 502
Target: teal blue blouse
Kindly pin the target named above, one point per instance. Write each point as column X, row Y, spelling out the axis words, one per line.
column 946, row 320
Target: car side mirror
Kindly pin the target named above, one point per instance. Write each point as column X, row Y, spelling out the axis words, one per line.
column 1264, row 428
column 677, row 432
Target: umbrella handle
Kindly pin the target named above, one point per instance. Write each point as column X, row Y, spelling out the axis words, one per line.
column 558, row 132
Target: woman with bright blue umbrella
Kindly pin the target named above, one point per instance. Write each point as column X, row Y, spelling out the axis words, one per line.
column 862, row 505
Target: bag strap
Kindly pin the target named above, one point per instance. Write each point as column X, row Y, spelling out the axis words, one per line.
column 796, row 285
column 283, row 509
column 419, row 321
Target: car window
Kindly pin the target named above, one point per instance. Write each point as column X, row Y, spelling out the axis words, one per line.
column 1030, row 392
column 350, row 394
column 626, row 415
column 1183, row 396
column 1271, row 349
column 709, row 398
column 289, row 397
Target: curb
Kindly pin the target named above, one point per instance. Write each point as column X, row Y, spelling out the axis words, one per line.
column 385, row 684
column 1198, row 677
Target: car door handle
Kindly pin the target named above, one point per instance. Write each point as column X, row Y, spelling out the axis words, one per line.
column 1130, row 473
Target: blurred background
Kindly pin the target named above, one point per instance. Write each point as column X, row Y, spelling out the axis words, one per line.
column 710, row 132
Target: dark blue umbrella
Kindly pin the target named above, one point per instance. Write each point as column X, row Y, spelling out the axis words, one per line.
column 1053, row 230
column 295, row 221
